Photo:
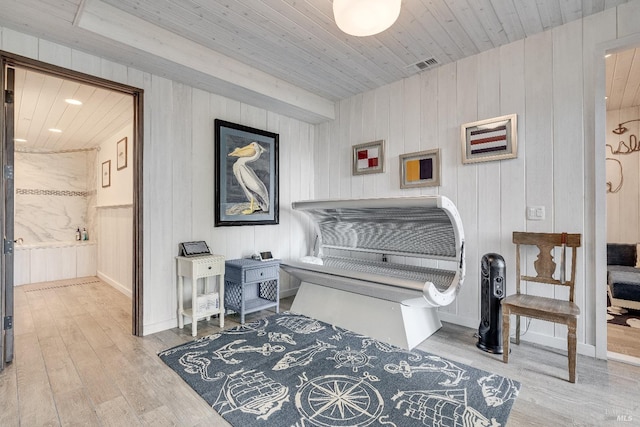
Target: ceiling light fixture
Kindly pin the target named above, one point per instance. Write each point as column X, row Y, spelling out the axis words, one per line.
column 19, row 140
column 73, row 101
column 365, row 17
column 54, row 130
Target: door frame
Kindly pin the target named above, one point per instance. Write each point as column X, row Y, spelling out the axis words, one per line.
column 137, row 94
column 599, row 208
column 7, row 76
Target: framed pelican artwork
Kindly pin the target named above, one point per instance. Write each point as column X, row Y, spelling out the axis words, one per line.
column 246, row 170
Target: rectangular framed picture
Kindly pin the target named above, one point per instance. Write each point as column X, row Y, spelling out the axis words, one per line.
column 122, row 153
column 489, row 140
column 420, row 169
column 106, row 174
column 246, row 175
column 368, row 158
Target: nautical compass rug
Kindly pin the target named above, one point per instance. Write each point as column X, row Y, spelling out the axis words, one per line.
column 291, row 370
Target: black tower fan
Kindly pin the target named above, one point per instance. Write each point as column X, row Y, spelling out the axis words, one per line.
column 492, row 288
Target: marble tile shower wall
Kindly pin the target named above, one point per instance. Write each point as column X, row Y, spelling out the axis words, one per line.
column 54, row 194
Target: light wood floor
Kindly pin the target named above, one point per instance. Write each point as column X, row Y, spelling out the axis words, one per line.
column 623, row 340
column 76, row 363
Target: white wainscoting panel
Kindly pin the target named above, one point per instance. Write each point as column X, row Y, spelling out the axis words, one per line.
column 86, row 260
column 115, row 246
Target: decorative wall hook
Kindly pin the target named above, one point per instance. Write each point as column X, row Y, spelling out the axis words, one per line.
column 622, row 129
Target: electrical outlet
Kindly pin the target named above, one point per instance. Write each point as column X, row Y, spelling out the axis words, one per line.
column 536, row 213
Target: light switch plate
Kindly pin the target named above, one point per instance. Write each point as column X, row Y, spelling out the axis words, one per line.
column 536, row 213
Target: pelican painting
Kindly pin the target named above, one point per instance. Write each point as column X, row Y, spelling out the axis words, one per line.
column 253, row 187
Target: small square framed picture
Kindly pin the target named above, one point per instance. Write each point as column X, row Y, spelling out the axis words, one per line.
column 491, row 139
column 368, row 158
column 420, row 169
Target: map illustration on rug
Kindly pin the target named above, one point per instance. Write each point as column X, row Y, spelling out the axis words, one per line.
column 291, row 370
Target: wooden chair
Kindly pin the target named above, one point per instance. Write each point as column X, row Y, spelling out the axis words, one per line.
column 548, row 309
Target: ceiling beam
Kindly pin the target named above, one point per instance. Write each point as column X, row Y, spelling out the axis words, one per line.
column 251, row 84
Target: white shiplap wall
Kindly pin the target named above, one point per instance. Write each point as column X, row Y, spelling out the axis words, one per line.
column 549, row 80
column 179, row 175
column 623, row 207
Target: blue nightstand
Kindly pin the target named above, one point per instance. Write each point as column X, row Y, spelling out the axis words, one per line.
column 251, row 285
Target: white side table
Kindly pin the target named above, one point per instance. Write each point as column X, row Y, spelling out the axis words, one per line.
column 200, row 267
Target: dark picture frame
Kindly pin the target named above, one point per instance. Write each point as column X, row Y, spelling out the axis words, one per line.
column 106, row 174
column 246, row 175
column 121, row 154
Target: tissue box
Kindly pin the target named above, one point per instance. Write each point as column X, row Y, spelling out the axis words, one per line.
column 207, row 302
column 213, row 301
column 201, row 303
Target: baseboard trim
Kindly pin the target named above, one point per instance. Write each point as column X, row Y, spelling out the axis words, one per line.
column 153, row 328
column 457, row 320
column 114, row 283
column 624, row 358
column 288, row 293
column 559, row 343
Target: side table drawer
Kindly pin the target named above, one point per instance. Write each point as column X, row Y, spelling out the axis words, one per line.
column 210, row 267
column 259, row 274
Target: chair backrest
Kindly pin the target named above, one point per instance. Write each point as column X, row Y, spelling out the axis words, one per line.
column 545, row 265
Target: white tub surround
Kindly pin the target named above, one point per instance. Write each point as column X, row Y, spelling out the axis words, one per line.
column 51, row 195
column 47, row 261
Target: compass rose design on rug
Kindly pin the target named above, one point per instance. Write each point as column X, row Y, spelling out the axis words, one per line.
column 291, row 370
column 339, row 400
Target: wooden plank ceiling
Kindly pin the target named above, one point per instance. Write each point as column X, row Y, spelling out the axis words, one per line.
column 297, row 41
column 40, row 106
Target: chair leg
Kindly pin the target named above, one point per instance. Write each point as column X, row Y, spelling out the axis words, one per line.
column 517, row 329
column 571, row 346
column 505, row 336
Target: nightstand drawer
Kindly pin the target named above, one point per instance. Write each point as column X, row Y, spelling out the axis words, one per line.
column 260, row 274
column 210, row 267
column 205, row 266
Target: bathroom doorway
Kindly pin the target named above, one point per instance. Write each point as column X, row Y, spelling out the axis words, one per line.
column 110, row 149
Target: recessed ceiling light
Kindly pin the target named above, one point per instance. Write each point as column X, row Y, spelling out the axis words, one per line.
column 19, row 140
column 607, row 55
column 54, row 130
column 73, row 101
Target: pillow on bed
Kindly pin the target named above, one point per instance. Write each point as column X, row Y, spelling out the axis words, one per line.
column 621, row 254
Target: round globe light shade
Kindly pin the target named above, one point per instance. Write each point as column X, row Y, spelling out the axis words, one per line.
column 365, row 17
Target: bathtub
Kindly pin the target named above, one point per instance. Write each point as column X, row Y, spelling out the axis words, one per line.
column 47, row 261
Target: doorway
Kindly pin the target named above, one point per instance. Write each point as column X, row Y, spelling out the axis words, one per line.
column 623, row 202
column 121, row 160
